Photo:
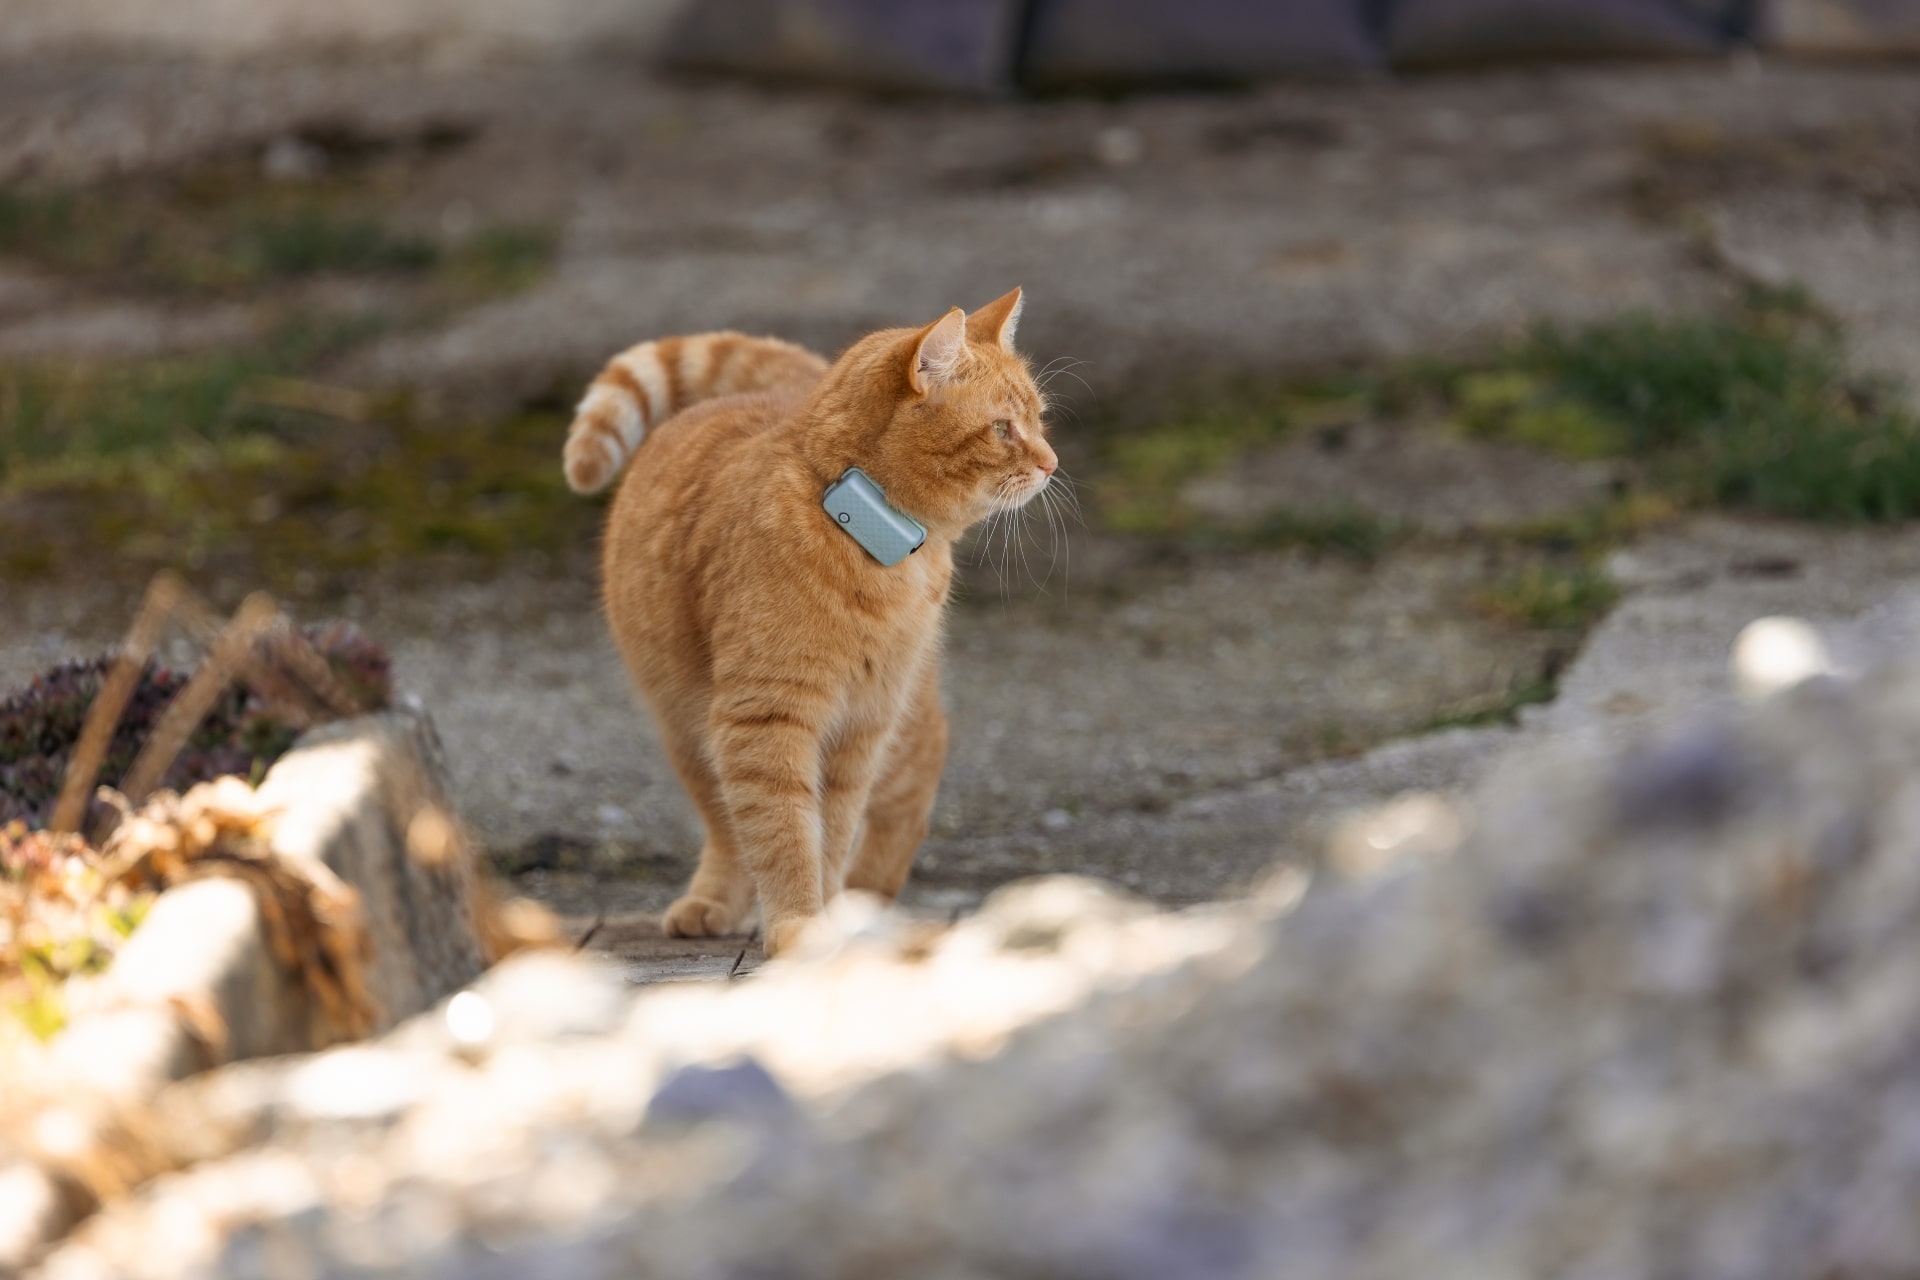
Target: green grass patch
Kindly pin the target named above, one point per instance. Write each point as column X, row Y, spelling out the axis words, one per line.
column 1139, row 492
column 315, row 498
column 1756, row 409
column 1143, row 473
column 311, row 241
column 1751, row 408
column 1594, row 530
column 251, row 456
column 1503, row 709
column 1551, row 597
column 243, row 460
column 66, row 417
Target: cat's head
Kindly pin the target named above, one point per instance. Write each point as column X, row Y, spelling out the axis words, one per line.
column 956, row 424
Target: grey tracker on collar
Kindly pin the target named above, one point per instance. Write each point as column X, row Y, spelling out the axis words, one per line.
column 860, row 508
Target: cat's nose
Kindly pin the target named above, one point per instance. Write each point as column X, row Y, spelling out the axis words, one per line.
column 1047, row 467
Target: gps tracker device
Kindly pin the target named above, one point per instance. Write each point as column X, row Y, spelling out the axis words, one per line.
column 860, row 508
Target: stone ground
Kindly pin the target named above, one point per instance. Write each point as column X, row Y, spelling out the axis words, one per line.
column 1173, row 722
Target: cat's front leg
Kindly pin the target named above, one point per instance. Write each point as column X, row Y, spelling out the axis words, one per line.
column 722, row 889
column 846, row 781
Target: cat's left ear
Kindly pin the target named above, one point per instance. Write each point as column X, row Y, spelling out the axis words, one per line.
column 996, row 321
column 937, row 351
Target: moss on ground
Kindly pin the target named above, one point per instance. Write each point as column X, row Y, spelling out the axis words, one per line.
column 245, row 461
column 253, row 456
column 224, row 228
column 1141, row 474
column 1553, row 597
column 1502, row 709
column 1752, row 408
column 61, row 419
column 1756, row 409
column 312, row 497
column 1595, row 529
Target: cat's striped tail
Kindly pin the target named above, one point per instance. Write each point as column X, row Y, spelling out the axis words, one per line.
column 645, row 385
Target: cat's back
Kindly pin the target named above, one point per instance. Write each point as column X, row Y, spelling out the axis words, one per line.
column 684, row 517
column 696, row 468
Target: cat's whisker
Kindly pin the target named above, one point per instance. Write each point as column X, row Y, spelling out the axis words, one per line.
column 1024, row 562
column 1053, row 540
column 984, row 538
column 1058, row 541
column 1055, row 367
column 1085, row 385
column 1067, row 490
column 1000, row 508
column 1008, row 528
column 983, row 553
column 1064, row 371
column 998, row 504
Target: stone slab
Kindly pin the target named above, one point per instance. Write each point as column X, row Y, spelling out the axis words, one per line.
column 1433, row 32
column 1136, row 42
column 964, row 45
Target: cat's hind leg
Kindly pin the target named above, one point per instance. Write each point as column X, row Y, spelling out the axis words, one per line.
column 721, row 893
column 900, row 806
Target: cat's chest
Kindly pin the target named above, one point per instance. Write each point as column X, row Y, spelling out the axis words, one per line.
column 903, row 605
column 897, row 619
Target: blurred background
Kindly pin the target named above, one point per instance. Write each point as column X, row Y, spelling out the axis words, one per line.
column 1393, row 345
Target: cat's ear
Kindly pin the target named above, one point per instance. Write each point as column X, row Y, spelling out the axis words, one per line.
column 996, row 321
column 937, row 350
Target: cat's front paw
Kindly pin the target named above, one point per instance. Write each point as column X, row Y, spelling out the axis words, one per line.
column 695, row 917
column 783, row 934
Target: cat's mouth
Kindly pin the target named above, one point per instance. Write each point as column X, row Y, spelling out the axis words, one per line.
column 1031, row 488
column 1011, row 493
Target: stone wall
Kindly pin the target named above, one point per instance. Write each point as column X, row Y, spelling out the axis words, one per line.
column 983, row 45
column 989, row 45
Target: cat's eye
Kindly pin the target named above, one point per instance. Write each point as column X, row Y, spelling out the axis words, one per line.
column 1002, row 429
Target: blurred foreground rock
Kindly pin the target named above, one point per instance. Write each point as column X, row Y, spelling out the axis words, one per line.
column 365, row 910
column 1656, row 1010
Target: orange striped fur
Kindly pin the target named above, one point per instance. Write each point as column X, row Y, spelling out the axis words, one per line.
column 794, row 678
column 643, row 386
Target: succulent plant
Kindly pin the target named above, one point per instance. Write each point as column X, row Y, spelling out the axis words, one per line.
column 59, row 916
column 247, row 729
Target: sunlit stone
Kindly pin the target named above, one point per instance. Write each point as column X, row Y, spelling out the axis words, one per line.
column 469, row 1018
column 1772, row 654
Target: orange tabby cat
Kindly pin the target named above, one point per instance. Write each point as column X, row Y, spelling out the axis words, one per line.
column 795, row 678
